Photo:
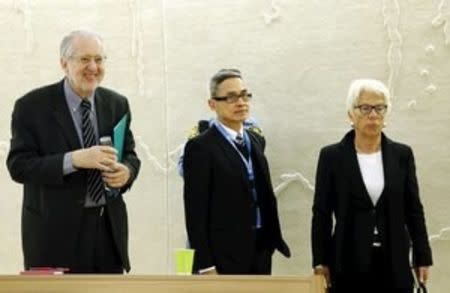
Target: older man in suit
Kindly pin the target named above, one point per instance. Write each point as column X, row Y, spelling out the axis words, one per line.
column 230, row 208
column 73, row 212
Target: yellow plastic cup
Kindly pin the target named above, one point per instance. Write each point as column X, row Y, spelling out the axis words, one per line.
column 184, row 259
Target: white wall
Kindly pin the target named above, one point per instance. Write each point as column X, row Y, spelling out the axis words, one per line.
column 298, row 58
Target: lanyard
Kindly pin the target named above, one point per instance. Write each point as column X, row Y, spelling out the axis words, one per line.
column 248, row 163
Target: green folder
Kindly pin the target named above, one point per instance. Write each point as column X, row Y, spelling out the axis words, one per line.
column 119, row 136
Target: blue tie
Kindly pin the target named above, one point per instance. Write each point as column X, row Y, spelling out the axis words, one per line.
column 95, row 186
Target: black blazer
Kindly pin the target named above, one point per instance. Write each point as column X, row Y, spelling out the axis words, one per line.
column 340, row 192
column 219, row 208
column 42, row 132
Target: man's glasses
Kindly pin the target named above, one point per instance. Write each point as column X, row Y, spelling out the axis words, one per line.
column 233, row 98
column 85, row 60
column 367, row 109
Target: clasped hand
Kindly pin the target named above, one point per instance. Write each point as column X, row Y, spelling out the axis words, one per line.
column 103, row 158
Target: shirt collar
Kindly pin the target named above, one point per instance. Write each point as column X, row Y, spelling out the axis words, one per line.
column 232, row 132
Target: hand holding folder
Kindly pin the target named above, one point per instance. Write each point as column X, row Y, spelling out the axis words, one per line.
column 119, row 174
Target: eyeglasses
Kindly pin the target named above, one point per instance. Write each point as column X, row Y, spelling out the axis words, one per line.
column 85, row 60
column 367, row 109
column 233, row 98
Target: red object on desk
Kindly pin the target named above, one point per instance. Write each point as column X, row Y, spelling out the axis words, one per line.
column 44, row 271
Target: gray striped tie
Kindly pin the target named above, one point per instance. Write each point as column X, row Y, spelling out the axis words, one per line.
column 95, row 186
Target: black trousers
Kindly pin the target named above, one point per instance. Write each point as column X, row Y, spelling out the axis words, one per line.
column 377, row 280
column 96, row 250
column 261, row 262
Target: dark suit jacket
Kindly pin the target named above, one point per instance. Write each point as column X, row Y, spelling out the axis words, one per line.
column 340, row 192
column 42, row 132
column 219, row 209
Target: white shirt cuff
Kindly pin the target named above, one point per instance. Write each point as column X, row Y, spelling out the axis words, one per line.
column 202, row 271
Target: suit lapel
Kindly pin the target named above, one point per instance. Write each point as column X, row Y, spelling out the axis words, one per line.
column 352, row 170
column 258, row 156
column 232, row 154
column 390, row 167
column 64, row 117
column 103, row 115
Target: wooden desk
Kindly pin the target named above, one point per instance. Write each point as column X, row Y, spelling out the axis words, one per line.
column 159, row 284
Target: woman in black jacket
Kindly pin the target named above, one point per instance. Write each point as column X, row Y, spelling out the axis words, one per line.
column 368, row 183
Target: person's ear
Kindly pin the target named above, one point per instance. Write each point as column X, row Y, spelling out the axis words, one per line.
column 351, row 118
column 212, row 104
column 63, row 63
